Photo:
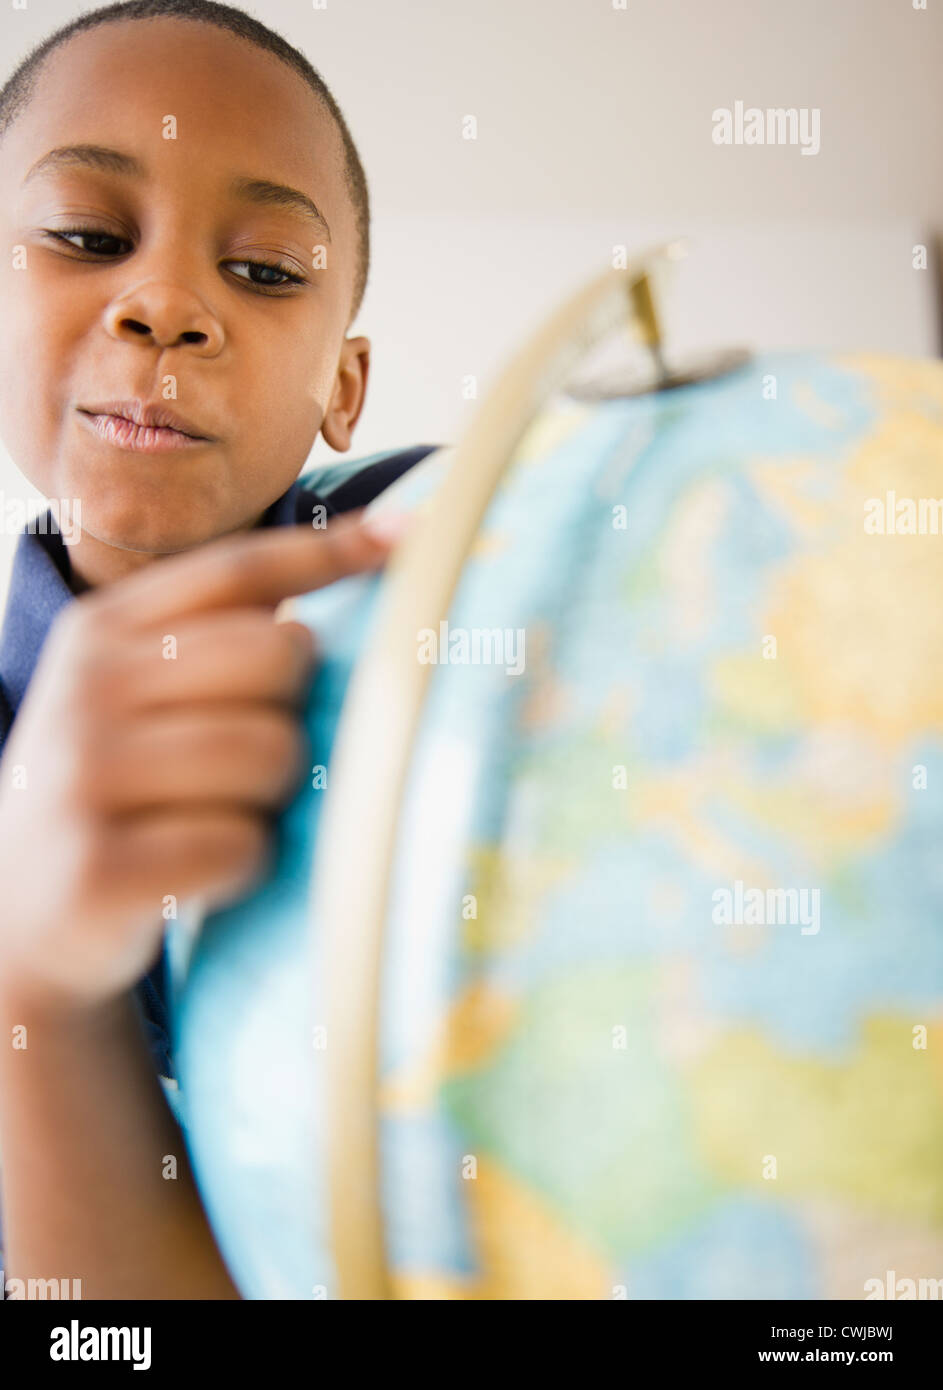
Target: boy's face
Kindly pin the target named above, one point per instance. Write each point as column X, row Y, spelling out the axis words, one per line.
column 160, row 293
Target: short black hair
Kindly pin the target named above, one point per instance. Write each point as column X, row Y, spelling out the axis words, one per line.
column 19, row 89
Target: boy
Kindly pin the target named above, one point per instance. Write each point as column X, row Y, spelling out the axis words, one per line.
column 187, row 256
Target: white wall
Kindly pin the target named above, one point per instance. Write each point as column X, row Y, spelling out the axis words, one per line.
column 486, row 282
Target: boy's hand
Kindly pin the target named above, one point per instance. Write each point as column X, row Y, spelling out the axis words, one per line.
column 129, row 776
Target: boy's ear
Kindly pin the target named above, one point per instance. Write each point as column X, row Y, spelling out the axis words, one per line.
column 350, row 390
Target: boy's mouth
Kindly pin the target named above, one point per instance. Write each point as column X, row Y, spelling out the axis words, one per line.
column 142, row 427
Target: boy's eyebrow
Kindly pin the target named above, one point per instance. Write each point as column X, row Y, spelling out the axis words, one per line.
column 250, row 190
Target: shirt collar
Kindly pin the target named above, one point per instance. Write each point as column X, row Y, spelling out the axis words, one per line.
column 39, row 588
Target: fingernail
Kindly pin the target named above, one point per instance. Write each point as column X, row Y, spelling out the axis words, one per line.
column 301, row 633
column 386, row 527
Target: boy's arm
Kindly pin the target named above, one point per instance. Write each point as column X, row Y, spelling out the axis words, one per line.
column 89, row 1144
column 140, row 777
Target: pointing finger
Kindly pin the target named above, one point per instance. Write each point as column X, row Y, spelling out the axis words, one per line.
column 244, row 570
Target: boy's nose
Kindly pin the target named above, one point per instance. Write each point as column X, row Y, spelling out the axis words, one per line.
column 167, row 315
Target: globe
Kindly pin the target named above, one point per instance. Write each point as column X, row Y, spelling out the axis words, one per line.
column 656, row 1004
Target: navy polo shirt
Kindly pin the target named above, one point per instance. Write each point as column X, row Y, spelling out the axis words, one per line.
column 39, row 587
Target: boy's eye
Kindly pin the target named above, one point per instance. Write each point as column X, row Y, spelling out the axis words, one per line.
column 287, row 276
column 66, row 234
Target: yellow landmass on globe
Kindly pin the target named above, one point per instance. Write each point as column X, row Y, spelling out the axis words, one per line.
column 673, row 801
column 789, row 485
column 902, row 382
column 509, row 893
column 853, row 615
column 827, row 828
column 476, row 1026
column 523, row 1248
column 809, row 401
column 856, row 637
column 756, row 691
column 868, row 1130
